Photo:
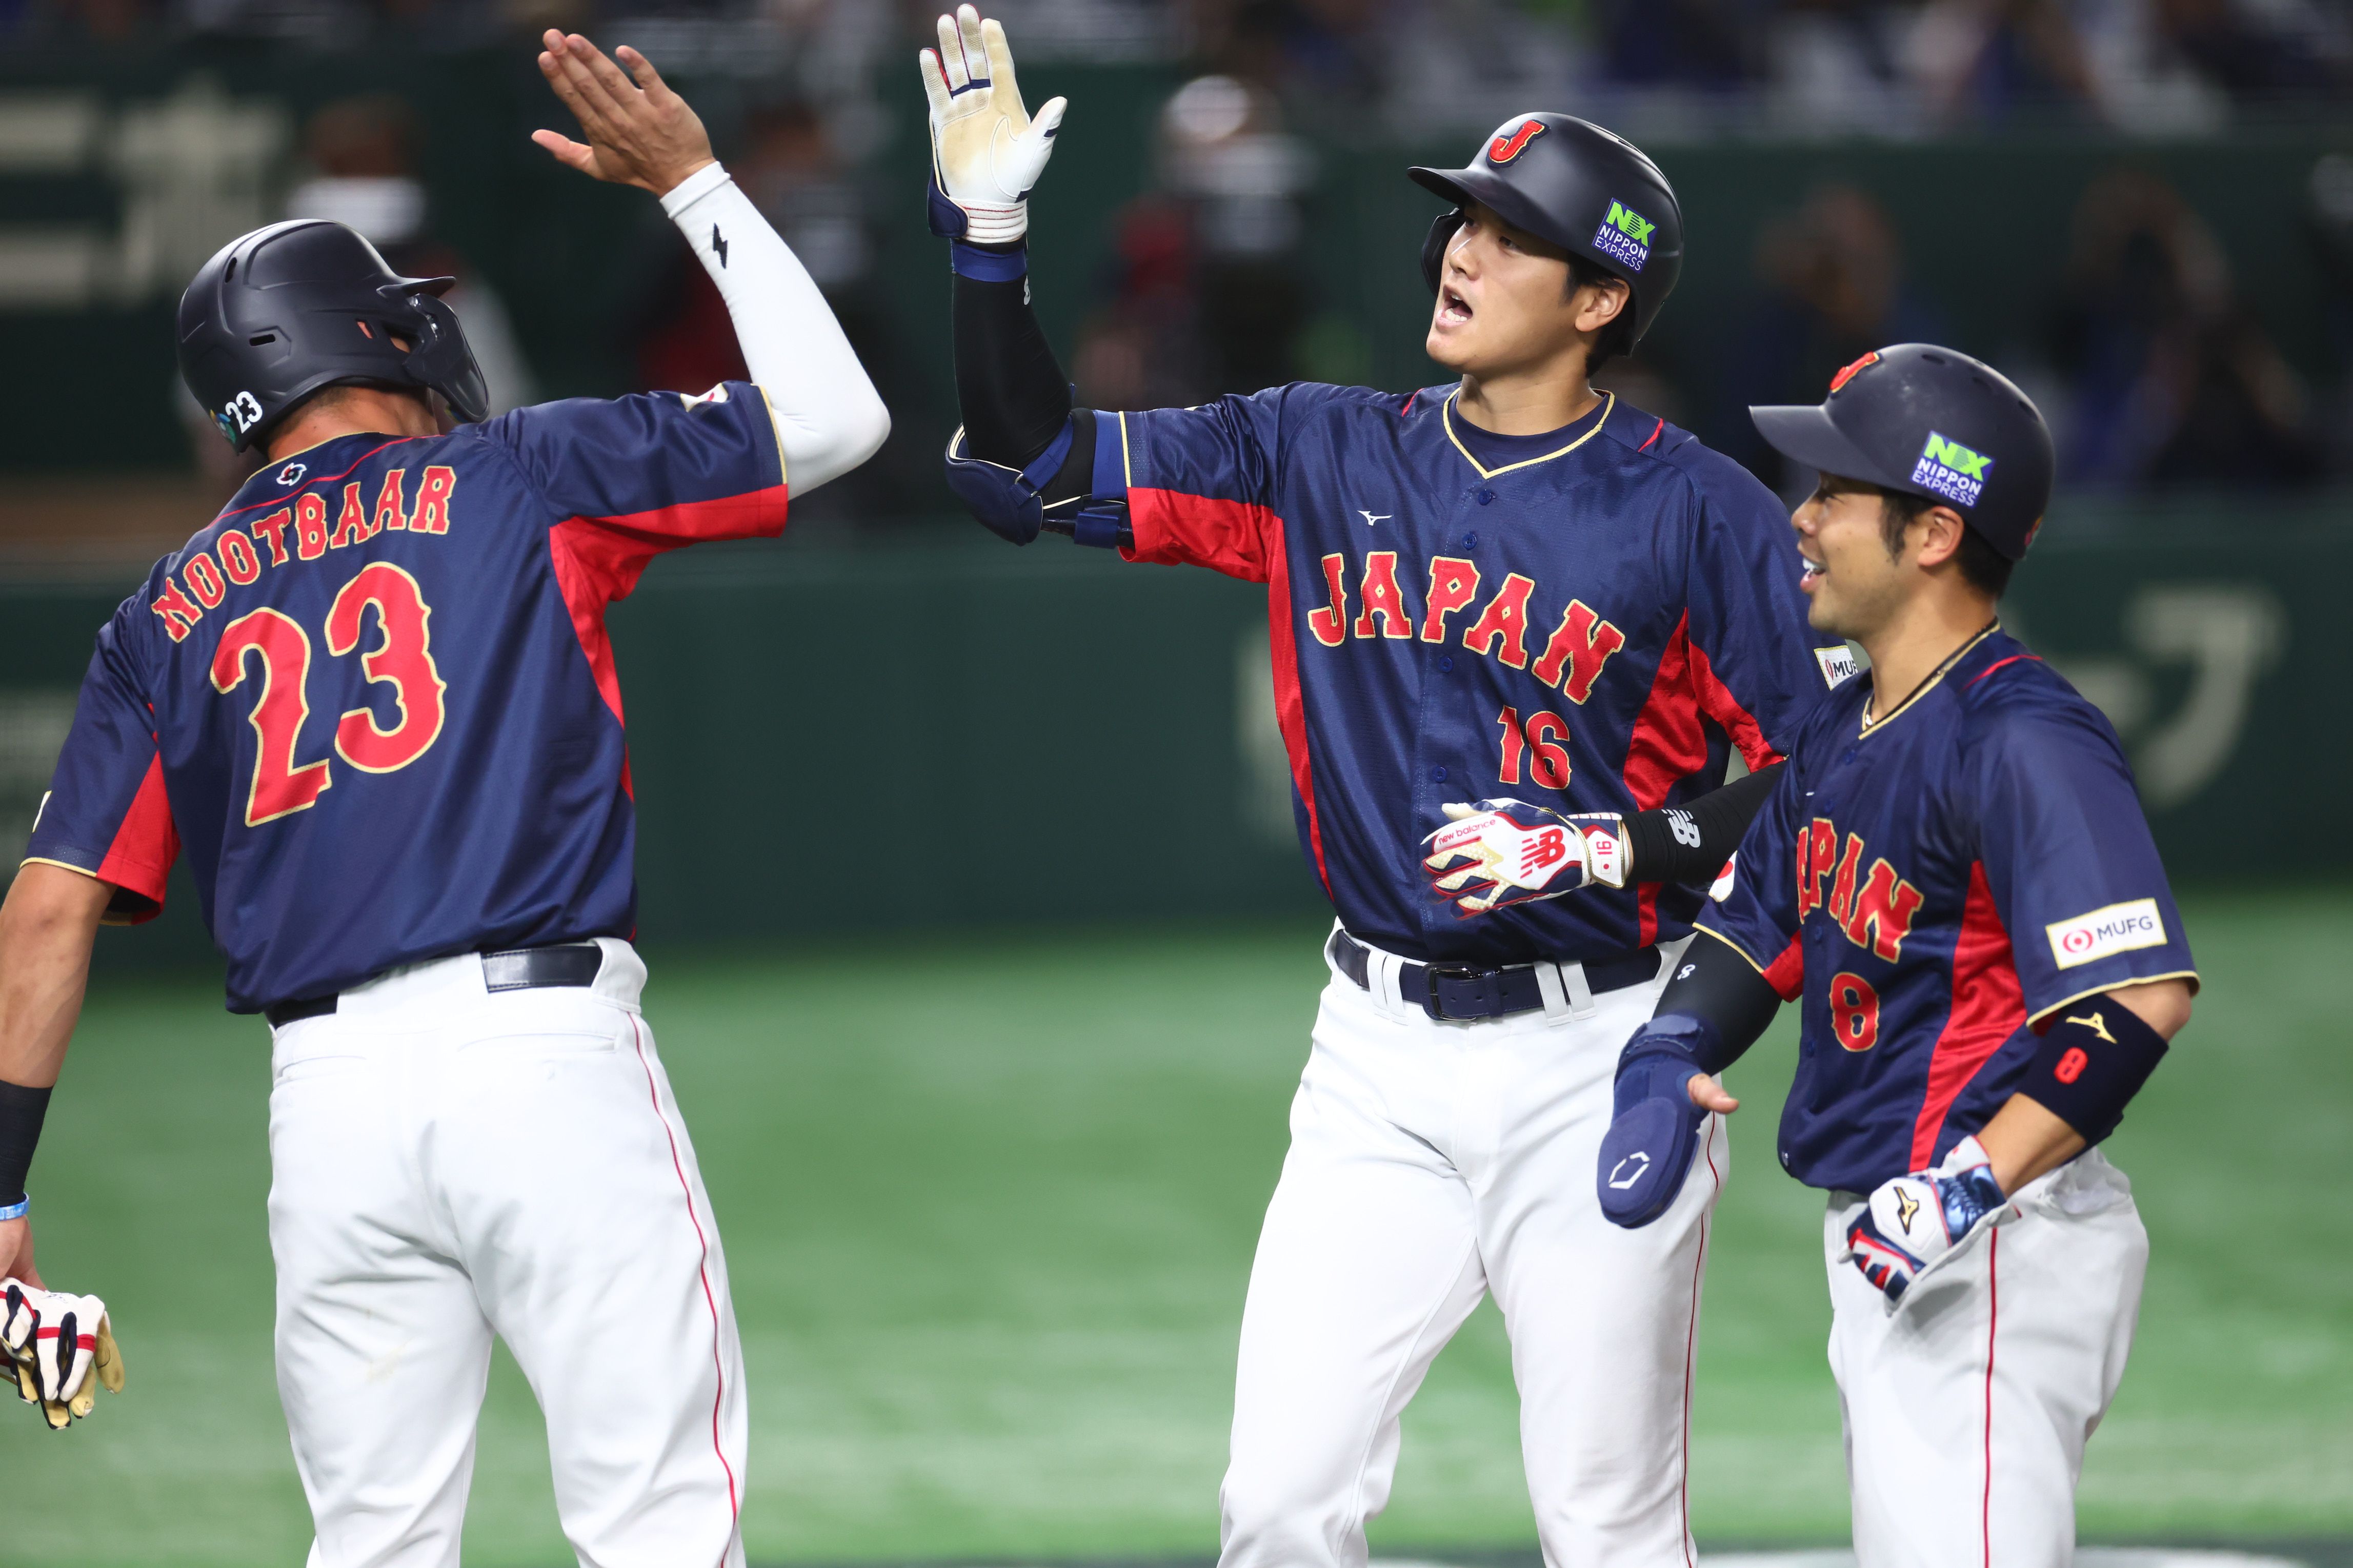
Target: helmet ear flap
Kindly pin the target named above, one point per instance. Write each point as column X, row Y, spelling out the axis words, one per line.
column 1443, row 229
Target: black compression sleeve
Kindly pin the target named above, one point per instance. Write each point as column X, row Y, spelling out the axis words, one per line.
column 1691, row 843
column 21, row 1113
column 1009, row 386
column 1715, row 982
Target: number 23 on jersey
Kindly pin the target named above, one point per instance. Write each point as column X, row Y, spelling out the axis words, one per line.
column 274, row 644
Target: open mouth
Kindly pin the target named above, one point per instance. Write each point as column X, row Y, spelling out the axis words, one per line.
column 1814, row 572
column 1453, row 309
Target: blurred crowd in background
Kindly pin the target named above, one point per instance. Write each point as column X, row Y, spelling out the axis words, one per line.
column 2136, row 337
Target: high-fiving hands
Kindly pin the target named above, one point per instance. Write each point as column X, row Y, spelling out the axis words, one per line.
column 986, row 151
column 639, row 132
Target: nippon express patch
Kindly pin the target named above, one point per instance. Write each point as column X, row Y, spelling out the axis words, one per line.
column 1952, row 471
column 1624, row 237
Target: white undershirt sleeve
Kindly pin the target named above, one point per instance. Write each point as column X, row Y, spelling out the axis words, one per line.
column 829, row 416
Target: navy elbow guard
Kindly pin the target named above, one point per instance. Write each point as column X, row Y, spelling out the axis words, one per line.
column 1648, row 1151
column 2091, row 1063
column 1007, row 501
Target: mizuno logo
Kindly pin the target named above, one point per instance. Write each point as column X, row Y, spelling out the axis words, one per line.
column 2098, row 1025
column 1370, row 518
column 1906, row 1206
column 719, row 245
column 1503, row 149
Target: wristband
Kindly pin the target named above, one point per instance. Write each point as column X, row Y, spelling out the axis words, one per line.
column 2091, row 1062
column 16, row 1210
column 21, row 1111
column 988, row 265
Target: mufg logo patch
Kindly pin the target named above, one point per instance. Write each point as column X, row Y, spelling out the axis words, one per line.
column 1624, row 237
column 1952, row 471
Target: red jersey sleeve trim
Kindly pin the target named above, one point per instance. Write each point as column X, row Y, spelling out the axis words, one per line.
column 1240, row 539
column 145, row 845
column 1988, row 1007
column 1666, row 745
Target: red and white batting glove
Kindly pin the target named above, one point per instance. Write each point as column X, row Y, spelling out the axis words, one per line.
column 56, row 1342
column 1492, row 853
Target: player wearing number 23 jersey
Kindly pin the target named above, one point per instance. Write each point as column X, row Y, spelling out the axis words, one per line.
column 374, row 702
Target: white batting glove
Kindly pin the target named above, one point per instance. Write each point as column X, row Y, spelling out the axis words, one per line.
column 56, row 1342
column 1500, row 852
column 986, row 152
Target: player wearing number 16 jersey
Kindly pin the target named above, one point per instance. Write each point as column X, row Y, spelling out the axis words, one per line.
column 374, row 705
column 1518, row 626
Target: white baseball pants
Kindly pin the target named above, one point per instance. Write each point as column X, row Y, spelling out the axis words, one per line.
column 451, row 1163
column 1968, row 1408
column 1430, row 1163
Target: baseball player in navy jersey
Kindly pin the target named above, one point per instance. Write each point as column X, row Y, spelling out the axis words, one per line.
column 1518, row 627
column 374, row 704
column 1953, row 876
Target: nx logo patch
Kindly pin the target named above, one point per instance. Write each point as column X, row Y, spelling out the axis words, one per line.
column 1952, row 471
column 1503, row 149
column 2119, row 928
column 1624, row 237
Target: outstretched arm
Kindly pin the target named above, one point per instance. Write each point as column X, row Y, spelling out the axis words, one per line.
column 829, row 416
column 47, row 926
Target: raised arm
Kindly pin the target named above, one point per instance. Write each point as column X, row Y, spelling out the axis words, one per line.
column 829, row 416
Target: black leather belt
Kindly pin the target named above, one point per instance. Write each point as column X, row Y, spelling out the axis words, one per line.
column 516, row 969
column 1462, row 991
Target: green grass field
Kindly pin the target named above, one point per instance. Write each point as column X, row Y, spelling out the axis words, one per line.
column 989, row 1208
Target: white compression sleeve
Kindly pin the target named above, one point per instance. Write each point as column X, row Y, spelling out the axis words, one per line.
column 829, row 416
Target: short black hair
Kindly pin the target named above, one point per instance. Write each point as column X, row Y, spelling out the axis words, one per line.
column 1983, row 567
column 1614, row 339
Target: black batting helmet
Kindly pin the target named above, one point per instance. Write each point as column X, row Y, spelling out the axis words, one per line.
column 1589, row 191
column 1930, row 422
column 284, row 311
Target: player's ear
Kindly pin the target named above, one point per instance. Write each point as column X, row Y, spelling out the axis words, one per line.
column 1601, row 303
column 1940, row 537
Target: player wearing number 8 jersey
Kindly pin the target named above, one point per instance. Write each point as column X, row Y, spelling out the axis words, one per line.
column 1514, row 622
column 374, row 704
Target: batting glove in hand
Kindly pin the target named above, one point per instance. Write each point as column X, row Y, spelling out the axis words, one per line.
column 1914, row 1220
column 987, row 153
column 55, row 1344
column 1497, row 852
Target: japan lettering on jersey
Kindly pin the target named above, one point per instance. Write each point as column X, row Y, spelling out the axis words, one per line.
column 374, row 700
column 1938, row 887
column 1591, row 627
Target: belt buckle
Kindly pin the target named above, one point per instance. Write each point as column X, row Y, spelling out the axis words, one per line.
column 1433, row 973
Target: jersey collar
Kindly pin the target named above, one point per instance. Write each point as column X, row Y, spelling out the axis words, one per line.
column 1446, row 412
column 1935, row 677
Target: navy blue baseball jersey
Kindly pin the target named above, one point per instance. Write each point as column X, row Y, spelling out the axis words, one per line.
column 374, row 700
column 1589, row 620
column 1935, row 886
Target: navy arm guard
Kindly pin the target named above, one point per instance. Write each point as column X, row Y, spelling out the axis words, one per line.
column 1648, row 1151
column 1007, row 501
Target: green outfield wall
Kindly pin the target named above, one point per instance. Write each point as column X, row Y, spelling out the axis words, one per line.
column 952, row 731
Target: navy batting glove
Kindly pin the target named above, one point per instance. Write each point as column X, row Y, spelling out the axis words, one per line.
column 1649, row 1148
column 1914, row 1220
